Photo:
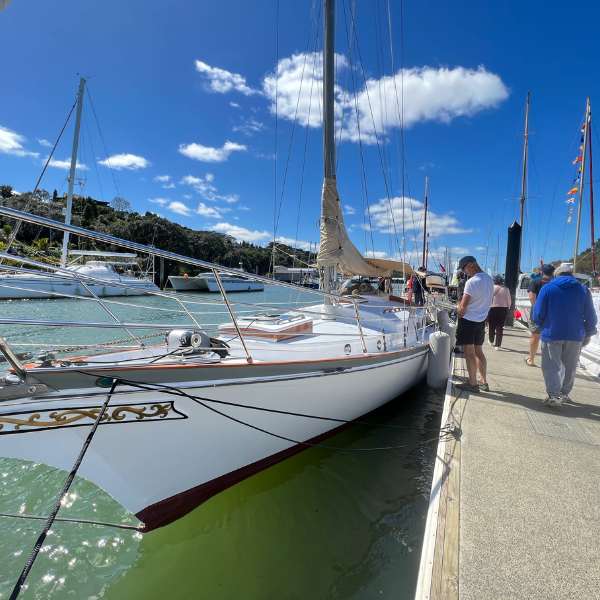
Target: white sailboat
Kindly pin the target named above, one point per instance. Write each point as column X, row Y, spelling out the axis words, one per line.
column 191, row 416
column 21, row 285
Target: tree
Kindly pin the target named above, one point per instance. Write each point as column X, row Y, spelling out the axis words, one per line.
column 121, row 204
column 6, row 191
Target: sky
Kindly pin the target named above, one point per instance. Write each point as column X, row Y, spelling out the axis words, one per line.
column 209, row 114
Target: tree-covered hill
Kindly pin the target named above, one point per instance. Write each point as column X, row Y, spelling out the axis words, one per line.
column 149, row 229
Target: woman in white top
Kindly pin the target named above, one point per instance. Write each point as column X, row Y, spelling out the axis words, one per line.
column 501, row 302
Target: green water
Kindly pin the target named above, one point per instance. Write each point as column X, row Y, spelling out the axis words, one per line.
column 323, row 524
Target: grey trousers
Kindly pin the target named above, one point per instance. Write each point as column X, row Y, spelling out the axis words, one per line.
column 559, row 364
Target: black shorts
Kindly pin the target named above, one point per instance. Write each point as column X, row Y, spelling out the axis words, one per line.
column 470, row 332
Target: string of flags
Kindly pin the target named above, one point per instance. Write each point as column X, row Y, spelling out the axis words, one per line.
column 572, row 193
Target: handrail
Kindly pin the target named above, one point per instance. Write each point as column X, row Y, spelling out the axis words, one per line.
column 19, row 215
column 231, row 314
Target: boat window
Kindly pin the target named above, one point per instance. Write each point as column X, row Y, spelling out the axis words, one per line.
column 525, row 283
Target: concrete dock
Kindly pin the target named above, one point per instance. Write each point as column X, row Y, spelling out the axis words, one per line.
column 515, row 503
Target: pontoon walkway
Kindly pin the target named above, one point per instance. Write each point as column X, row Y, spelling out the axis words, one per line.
column 515, row 503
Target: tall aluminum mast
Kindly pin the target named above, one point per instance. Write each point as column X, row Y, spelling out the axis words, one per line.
column 582, row 181
column 74, row 150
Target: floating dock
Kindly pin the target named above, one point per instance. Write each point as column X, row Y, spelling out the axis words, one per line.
column 514, row 510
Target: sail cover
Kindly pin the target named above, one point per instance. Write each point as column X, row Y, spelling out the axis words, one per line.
column 336, row 248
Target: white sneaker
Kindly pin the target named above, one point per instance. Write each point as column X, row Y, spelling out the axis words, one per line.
column 555, row 401
column 496, row 348
column 565, row 398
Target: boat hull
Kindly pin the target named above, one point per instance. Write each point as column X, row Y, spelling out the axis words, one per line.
column 161, row 455
column 188, row 284
column 42, row 287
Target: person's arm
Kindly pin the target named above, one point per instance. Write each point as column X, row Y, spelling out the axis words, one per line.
column 590, row 318
column 462, row 307
column 540, row 307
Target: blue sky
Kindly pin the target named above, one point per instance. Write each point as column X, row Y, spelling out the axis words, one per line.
column 185, row 96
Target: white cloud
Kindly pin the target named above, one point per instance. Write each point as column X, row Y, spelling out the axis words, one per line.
column 207, row 190
column 165, row 181
column 298, row 85
column 241, row 233
column 159, row 201
column 130, row 162
column 66, row 164
column 11, row 142
column 385, row 212
column 209, row 154
column 222, row 81
column 430, row 94
column 44, row 142
column 211, row 212
column 249, row 126
column 349, row 209
column 234, row 105
column 180, row 208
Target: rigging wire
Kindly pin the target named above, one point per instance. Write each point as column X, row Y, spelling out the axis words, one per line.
column 18, row 224
column 204, row 402
column 276, row 149
column 366, row 205
column 106, row 154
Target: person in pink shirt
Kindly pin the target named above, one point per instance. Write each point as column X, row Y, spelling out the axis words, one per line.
column 501, row 303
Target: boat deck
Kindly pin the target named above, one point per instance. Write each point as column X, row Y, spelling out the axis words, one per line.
column 514, row 510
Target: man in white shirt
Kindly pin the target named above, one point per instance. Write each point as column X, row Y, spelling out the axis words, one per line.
column 473, row 310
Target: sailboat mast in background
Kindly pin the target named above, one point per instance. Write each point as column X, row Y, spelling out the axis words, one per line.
column 592, row 231
column 582, row 181
column 74, row 151
column 523, row 195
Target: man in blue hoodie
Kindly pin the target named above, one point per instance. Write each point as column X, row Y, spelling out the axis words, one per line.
column 565, row 314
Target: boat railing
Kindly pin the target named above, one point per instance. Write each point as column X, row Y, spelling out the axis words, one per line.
column 186, row 307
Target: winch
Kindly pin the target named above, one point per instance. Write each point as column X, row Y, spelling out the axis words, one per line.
column 189, row 338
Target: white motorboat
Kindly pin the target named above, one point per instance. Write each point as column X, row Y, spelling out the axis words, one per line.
column 205, row 282
column 107, row 282
column 180, row 420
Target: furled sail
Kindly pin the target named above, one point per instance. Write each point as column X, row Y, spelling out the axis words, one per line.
column 336, row 248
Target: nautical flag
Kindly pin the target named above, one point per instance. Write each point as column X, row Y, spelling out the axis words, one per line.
column 578, row 159
column 570, row 200
column 573, row 190
column 443, row 269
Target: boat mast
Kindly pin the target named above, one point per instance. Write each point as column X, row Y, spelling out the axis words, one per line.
column 524, row 170
column 424, row 261
column 592, row 232
column 65, row 246
column 582, row 181
column 329, row 274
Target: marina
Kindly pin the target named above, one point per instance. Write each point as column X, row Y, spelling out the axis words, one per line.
column 298, row 300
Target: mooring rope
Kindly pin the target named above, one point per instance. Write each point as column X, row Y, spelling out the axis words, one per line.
column 73, row 520
column 65, row 489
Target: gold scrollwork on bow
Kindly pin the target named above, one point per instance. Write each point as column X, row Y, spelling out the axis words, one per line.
column 65, row 417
